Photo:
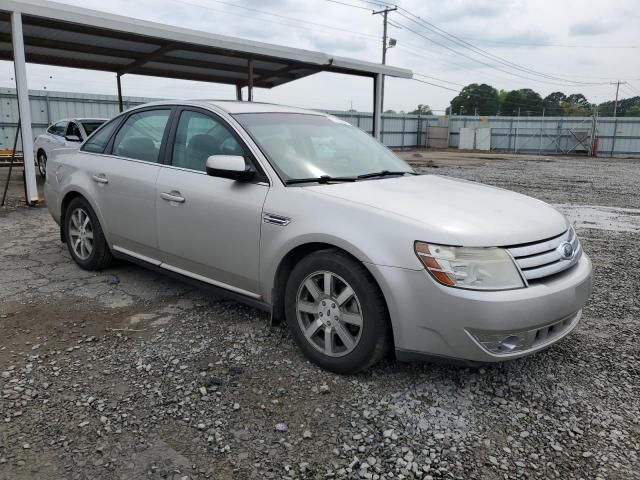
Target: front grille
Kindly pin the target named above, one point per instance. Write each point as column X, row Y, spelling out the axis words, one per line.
column 542, row 259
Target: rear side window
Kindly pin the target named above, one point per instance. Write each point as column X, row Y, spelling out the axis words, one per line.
column 73, row 129
column 90, row 127
column 99, row 140
column 141, row 135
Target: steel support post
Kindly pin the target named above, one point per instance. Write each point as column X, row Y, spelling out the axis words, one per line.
column 377, row 105
column 23, row 106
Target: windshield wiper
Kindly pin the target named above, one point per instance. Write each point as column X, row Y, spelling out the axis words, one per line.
column 321, row 179
column 384, row 173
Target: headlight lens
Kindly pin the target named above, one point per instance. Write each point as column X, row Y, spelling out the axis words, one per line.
column 475, row 268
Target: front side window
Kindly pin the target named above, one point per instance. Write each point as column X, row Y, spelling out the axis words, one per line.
column 59, row 128
column 304, row 146
column 97, row 142
column 141, row 135
column 199, row 136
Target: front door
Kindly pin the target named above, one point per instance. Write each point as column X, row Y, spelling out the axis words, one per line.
column 208, row 227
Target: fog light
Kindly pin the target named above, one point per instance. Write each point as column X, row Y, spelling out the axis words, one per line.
column 501, row 343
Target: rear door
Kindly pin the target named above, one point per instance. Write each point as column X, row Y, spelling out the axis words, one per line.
column 209, row 227
column 125, row 176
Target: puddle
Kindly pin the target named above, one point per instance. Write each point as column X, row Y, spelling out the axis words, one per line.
column 614, row 219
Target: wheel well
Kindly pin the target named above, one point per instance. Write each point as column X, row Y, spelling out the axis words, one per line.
column 41, row 150
column 63, row 210
column 286, row 266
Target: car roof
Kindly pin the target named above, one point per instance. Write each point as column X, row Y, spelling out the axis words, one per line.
column 80, row 120
column 234, row 106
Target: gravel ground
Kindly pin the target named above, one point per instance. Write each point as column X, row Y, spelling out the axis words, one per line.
column 128, row 374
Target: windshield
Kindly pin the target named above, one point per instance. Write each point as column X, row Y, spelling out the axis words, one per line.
column 303, row 146
column 91, row 126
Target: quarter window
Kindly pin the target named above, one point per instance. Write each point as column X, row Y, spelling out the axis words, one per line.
column 141, row 135
column 199, row 136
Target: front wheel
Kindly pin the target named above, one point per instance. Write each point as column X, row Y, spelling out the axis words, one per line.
column 42, row 164
column 336, row 312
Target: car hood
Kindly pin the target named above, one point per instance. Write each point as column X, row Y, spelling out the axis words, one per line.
column 453, row 211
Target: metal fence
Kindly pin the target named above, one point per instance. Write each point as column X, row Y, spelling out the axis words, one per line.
column 48, row 107
column 546, row 135
column 615, row 136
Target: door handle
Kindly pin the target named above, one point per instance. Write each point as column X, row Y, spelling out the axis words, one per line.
column 101, row 178
column 172, row 197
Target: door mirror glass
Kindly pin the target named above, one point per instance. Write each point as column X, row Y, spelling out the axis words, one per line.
column 229, row 166
column 72, row 138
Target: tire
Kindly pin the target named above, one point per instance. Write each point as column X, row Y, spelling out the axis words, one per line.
column 85, row 239
column 42, row 164
column 344, row 333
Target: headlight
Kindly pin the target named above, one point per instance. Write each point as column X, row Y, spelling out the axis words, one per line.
column 475, row 268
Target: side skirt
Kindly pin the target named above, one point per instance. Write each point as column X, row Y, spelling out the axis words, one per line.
column 217, row 291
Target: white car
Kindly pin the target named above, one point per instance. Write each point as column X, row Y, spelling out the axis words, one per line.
column 68, row 133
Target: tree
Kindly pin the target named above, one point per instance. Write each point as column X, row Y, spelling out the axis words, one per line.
column 473, row 98
column 525, row 101
column 422, row 109
column 625, row 106
column 633, row 111
column 552, row 104
column 390, row 111
column 576, row 104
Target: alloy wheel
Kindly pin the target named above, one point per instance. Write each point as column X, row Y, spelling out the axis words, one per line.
column 329, row 313
column 81, row 233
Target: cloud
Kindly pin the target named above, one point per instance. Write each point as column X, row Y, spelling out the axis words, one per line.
column 460, row 10
column 591, row 27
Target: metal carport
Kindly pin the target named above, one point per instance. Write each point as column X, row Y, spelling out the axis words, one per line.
column 49, row 33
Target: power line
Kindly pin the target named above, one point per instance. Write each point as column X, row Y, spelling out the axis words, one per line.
column 438, row 79
column 480, row 61
column 546, row 45
column 435, row 85
column 478, row 51
column 264, row 12
column 632, row 88
column 349, row 5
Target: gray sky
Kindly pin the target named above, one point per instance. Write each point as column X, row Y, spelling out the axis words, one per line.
column 590, row 39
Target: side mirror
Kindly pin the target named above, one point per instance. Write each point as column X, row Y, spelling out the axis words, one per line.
column 72, row 138
column 229, row 166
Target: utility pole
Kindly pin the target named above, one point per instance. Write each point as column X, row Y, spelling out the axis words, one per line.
column 385, row 45
column 615, row 105
column 615, row 113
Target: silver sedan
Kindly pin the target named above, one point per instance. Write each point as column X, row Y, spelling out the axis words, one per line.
column 309, row 218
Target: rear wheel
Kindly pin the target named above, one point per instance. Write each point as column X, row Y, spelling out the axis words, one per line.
column 42, row 164
column 336, row 312
column 85, row 239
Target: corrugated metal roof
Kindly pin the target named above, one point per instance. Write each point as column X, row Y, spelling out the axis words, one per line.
column 65, row 35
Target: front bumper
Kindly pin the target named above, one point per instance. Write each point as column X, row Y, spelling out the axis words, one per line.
column 432, row 320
